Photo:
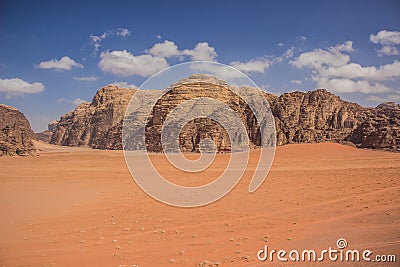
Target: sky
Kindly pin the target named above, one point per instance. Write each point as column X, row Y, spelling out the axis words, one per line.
column 55, row 55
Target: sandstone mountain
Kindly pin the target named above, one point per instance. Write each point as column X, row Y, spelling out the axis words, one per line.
column 300, row 117
column 97, row 124
column 15, row 133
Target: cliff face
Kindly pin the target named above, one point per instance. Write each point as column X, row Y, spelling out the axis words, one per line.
column 194, row 130
column 315, row 116
column 380, row 130
column 97, row 124
column 15, row 133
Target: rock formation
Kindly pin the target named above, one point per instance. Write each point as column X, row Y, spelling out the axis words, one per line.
column 381, row 130
column 300, row 117
column 15, row 133
column 97, row 124
column 46, row 135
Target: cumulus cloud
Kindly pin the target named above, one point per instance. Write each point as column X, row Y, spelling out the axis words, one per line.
column 388, row 50
column 65, row 63
column 332, row 69
column 345, row 47
column 124, row 85
column 254, row 65
column 343, row 85
column 202, row 51
column 356, row 71
column 386, row 37
column 389, row 40
column 319, row 58
column 18, row 87
column 165, row 49
column 86, row 79
column 261, row 64
column 124, row 63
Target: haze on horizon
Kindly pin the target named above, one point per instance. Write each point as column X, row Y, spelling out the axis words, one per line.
column 56, row 55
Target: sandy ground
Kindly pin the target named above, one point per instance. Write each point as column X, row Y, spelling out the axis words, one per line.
column 80, row 207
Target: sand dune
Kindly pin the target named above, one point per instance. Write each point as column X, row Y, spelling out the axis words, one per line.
column 80, row 207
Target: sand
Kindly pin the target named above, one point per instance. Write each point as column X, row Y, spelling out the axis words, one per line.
column 80, row 207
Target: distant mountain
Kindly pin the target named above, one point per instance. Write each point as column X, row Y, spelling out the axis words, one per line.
column 15, row 133
column 300, row 117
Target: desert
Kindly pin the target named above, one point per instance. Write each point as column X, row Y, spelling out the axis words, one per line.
column 199, row 133
column 79, row 206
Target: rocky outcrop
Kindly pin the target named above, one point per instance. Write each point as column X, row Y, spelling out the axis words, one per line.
column 46, row 135
column 381, row 130
column 315, row 116
column 300, row 117
column 15, row 133
column 195, row 130
column 95, row 124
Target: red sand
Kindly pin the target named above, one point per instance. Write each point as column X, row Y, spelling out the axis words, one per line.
column 80, row 207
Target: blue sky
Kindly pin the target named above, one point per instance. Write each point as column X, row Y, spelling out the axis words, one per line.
column 55, row 54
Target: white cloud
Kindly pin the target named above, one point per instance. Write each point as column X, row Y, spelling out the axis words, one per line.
column 389, row 98
column 159, row 36
column 123, row 63
column 343, row 85
column 124, row 85
column 65, row 63
column 332, row 69
column 280, row 44
column 18, row 87
column 345, row 47
column 77, row 101
column 123, row 32
column 296, row 81
column 202, row 52
column 385, row 37
column 389, row 40
column 96, row 40
column 319, row 58
column 254, row 65
column 86, row 79
column 288, row 54
column 356, row 71
column 165, row 49
column 261, row 64
column 388, row 50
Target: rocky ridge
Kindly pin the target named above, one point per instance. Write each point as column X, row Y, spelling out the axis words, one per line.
column 96, row 124
column 300, row 117
column 15, row 133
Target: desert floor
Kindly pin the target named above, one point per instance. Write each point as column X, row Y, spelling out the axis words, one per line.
column 80, row 207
